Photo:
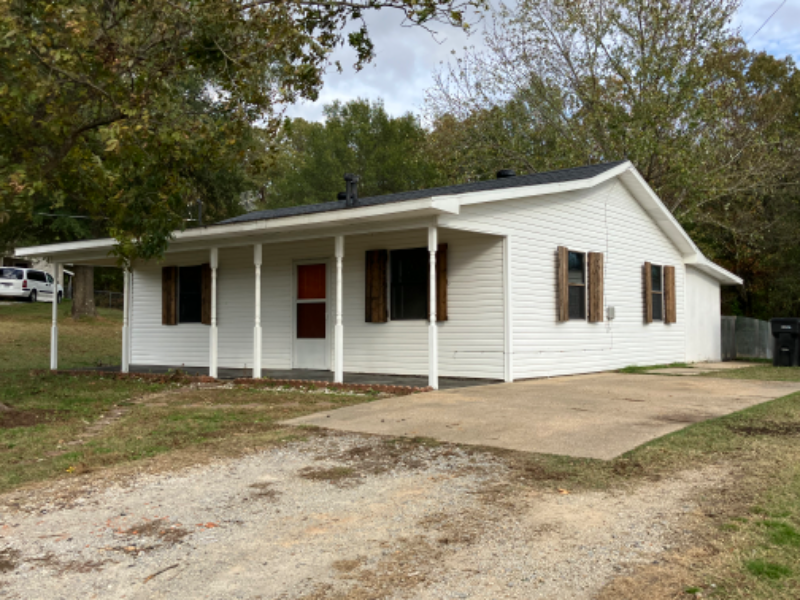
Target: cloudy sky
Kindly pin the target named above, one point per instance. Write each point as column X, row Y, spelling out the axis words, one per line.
column 407, row 57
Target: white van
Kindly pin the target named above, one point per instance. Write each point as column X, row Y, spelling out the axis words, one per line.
column 28, row 284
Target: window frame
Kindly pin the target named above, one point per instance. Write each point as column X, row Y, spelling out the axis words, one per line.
column 390, row 284
column 657, row 294
column 583, row 286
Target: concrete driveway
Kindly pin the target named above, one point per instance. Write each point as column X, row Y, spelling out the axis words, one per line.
column 593, row 416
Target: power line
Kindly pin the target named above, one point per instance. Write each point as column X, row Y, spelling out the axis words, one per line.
column 765, row 22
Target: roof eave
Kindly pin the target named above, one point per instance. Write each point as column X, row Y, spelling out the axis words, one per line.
column 93, row 250
column 712, row 269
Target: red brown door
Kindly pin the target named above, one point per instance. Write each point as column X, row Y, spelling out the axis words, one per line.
column 311, row 344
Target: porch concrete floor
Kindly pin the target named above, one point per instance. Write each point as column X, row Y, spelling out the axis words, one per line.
column 593, row 416
column 445, row 383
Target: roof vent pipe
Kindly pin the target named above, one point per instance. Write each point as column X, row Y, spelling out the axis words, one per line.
column 351, row 181
column 503, row 173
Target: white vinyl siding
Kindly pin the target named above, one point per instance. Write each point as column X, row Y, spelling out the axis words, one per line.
column 606, row 219
column 153, row 343
column 470, row 342
column 703, row 317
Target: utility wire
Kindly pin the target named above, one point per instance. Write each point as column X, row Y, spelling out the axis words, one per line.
column 765, row 22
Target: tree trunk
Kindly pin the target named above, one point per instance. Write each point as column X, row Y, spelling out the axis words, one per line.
column 83, row 292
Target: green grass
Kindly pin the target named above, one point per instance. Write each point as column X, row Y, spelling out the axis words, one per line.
column 25, row 337
column 642, row 369
column 767, row 570
column 762, row 372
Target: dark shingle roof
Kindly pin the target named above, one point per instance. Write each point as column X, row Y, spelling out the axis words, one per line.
column 560, row 176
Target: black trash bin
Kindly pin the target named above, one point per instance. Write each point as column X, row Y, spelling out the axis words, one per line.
column 786, row 351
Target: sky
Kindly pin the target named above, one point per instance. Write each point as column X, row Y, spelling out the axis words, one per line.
column 407, row 57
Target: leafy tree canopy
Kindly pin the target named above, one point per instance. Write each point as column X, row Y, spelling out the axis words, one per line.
column 127, row 112
column 389, row 154
column 711, row 125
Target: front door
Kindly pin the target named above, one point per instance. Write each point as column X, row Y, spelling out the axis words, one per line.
column 310, row 326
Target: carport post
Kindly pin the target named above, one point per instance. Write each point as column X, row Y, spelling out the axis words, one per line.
column 212, row 363
column 338, row 330
column 54, row 329
column 433, row 333
column 257, row 253
column 126, row 304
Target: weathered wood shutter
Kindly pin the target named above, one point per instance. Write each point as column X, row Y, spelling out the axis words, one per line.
column 648, row 293
column 169, row 295
column 562, row 283
column 595, row 287
column 376, row 291
column 670, row 304
column 441, row 282
column 205, row 306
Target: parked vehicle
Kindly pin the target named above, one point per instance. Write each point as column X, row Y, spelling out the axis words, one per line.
column 32, row 285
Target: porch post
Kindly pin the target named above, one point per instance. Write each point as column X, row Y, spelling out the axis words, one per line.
column 338, row 330
column 508, row 320
column 257, row 326
column 212, row 363
column 126, row 303
column 54, row 328
column 433, row 333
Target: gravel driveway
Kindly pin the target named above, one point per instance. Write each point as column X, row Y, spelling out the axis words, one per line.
column 336, row 516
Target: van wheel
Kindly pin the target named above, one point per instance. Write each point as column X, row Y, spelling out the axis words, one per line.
column 58, row 300
column 32, row 297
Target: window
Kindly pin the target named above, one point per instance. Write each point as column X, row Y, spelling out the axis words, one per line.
column 190, row 294
column 657, row 292
column 49, row 278
column 36, row 276
column 10, row 274
column 576, row 276
column 409, row 284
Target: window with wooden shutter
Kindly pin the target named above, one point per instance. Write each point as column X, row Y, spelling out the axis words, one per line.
column 205, row 295
column 169, row 295
column 670, row 304
column 376, row 286
column 562, row 283
column 595, row 287
column 441, row 282
column 648, row 292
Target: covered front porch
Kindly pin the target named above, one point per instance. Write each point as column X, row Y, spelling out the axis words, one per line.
column 249, row 321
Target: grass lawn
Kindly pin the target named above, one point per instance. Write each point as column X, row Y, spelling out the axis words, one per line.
column 56, row 426
column 25, row 337
column 765, row 372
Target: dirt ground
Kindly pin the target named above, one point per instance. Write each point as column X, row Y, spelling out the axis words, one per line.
column 338, row 516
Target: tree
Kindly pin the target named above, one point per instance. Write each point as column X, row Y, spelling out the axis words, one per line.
column 711, row 126
column 387, row 153
column 127, row 112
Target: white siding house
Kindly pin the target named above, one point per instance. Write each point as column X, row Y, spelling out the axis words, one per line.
column 555, row 273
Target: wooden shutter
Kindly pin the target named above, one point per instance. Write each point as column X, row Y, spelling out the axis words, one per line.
column 169, row 295
column 205, row 302
column 670, row 305
column 595, row 287
column 441, row 282
column 648, row 293
column 562, row 284
column 376, row 304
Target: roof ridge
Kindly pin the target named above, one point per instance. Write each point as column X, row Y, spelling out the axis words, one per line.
column 536, row 178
